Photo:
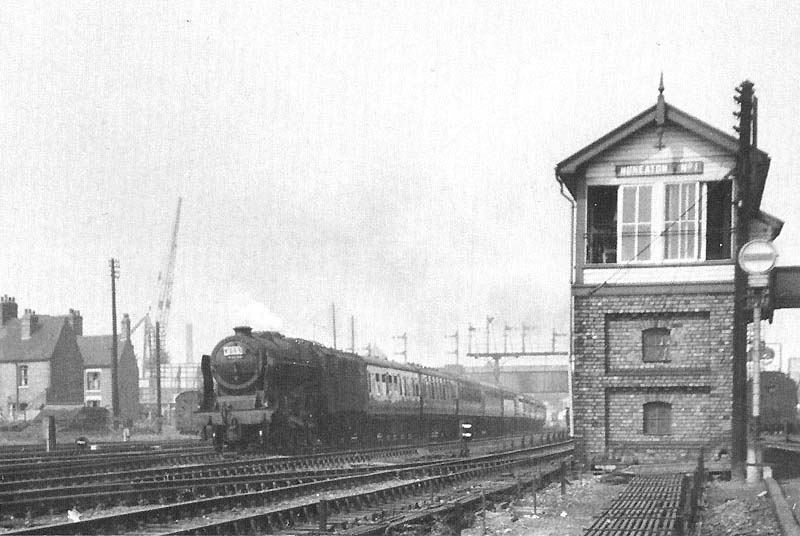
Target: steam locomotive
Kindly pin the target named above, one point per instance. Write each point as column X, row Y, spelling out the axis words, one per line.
column 262, row 388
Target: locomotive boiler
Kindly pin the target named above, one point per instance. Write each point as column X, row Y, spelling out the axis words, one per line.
column 267, row 389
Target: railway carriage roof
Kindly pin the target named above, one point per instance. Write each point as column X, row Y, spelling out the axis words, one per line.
column 290, row 344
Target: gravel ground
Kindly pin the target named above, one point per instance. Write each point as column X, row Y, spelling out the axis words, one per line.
column 553, row 515
column 738, row 509
column 732, row 509
column 791, row 490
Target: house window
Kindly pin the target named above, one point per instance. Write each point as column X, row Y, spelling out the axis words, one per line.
column 655, row 345
column 657, row 418
column 23, row 376
column 92, row 381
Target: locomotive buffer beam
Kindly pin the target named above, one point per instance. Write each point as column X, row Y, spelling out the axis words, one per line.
column 244, row 416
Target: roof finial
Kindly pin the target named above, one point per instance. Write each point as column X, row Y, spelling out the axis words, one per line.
column 661, row 84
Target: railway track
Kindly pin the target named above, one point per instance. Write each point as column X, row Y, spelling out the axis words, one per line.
column 12, row 451
column 240, row 507
column 26, row 469
column 48, row 496
column 86, row 470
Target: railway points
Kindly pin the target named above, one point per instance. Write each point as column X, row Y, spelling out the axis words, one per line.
column 427, row 472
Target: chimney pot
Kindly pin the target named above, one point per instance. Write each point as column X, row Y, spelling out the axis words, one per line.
column 76, row 321
column 8, row 310
column 28, row 324
column 126, row 327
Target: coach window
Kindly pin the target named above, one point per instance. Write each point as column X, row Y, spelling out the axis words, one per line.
column 655, row 345
column 657, row 418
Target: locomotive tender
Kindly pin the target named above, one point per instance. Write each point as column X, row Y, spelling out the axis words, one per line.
column 267, row 389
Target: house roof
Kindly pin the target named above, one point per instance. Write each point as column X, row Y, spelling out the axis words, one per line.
column 569, row 169
column 39, row 347
column 96, row 350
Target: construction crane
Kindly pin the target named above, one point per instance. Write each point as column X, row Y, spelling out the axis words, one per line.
column 162, row 305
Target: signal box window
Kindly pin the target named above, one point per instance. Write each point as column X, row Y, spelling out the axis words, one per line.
column 659, row 222
column 657, row 418
column 636, row 228
column 601, row 239
column 718, row 220
column 23, row 376
column 682, row 221
column 655, row 345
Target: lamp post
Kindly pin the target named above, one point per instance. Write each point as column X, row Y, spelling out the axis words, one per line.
column 756, row 258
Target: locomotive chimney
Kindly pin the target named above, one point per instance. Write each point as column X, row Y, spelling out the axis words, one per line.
column 243, row 330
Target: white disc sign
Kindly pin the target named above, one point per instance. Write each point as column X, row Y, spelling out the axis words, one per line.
column 758, row 257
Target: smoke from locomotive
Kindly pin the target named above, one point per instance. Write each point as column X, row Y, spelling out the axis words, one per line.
column 264, row 388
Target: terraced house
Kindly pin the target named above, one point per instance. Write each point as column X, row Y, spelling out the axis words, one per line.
column 40, row 364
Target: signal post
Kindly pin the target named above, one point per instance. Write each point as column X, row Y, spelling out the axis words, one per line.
column 757, row 259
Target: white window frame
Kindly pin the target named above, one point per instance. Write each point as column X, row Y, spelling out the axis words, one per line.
column 647, row 238
column 658, row 223
column 699, row 221
column 99, row 380
column 23, row 376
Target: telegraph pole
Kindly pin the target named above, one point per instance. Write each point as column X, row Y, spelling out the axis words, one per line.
column 404, row 353
column 454, row 336
column 114, row 265
column 352, row 334
column 489, row 320
column 525, row 330
column 333, row 314
column 743, row 216
column 158, row 375
column 470, row 331
column 556, row 334
column 506, row 329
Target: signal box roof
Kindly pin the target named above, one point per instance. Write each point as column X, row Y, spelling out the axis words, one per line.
column 569, row 170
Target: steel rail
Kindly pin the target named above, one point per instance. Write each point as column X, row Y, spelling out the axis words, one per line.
column 137, row 519
column 217, row 464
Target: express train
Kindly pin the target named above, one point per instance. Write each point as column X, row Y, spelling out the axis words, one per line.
column 267, row 389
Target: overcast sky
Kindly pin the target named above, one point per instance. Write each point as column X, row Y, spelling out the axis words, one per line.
column 395, row 159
